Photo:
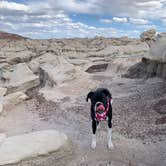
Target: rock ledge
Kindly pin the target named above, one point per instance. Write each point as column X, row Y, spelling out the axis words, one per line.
column 17, row 148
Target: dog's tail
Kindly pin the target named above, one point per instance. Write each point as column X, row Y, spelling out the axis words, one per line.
column 89, row 96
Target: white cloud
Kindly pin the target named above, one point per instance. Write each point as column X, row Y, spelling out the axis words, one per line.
column 77, row 6
column 39, row 23
column 13, row 6
column 164, row 21
column 1, row 17
column 138, row 21
column 106, row 21
column 50, row 18
column 128, row 8
column 150, row 4
column 120, row 19
column 114, row 19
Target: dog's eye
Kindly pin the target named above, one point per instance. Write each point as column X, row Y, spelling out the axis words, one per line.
column 98, row 104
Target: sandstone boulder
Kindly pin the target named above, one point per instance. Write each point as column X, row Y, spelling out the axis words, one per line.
column 18, row 77
column 70, row 89
column 19, row 57
column 20, row 147
column 2, row 91
column 52, row 94
column 148, row 35
column 58, row 73
column 45, row 58
column 13, row 99
column 158, row 48
column 34, row 66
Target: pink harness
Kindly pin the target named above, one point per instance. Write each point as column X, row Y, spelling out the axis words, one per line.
column 101, row 112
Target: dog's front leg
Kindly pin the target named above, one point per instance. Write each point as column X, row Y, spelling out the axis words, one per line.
column 110, row 144
column 93, row 144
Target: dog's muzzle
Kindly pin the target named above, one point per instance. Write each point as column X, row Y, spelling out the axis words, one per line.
column 100, row 107
column 101, row 111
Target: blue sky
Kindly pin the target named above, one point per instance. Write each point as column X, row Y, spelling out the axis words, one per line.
column 81, row 18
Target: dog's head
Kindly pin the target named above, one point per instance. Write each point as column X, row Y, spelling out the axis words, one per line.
column 99, row 98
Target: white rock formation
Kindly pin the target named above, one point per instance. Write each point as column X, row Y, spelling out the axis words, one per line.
column 158, row 48
column 17, row 148
column 2, row 91
column 154, row 62
column 18, row 77
column 13, row 99
column 3, row 136
column 1, row 107
column 148, row 35
column 17, row 57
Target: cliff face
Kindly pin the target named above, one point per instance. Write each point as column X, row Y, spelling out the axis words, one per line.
column 147, row 68
column 158, row 48
column 154, row 63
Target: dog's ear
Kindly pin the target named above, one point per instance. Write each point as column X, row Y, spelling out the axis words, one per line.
column 89, row 95
column 107, row 93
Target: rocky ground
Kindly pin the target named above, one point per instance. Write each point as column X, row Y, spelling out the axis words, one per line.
column 52, row 75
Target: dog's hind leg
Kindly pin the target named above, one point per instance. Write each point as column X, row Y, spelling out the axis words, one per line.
column 94, row 126
column 98, row 124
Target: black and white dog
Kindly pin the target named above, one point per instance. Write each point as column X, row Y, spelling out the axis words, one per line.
column 101, row 109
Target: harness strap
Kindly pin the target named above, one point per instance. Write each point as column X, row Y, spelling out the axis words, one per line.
column 103, row 116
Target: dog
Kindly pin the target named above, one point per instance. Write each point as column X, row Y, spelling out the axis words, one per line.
column 101, row 109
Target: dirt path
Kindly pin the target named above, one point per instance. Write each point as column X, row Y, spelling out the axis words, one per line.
column 139, row 140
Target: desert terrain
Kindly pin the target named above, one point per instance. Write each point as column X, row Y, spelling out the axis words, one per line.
column 44, row 83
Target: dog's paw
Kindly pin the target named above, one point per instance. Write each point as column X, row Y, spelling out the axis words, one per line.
column 99, row 126
column 110, row 145
column 93, row 145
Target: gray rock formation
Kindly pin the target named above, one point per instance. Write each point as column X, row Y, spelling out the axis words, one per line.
column 147, row 68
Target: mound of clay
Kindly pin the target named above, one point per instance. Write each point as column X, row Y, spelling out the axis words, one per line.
column 4, row 35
